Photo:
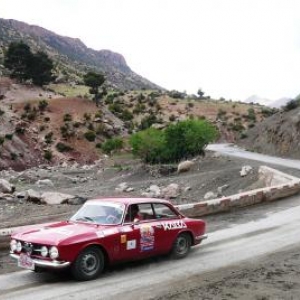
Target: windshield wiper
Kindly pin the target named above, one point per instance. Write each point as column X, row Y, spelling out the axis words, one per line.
column 84, row 218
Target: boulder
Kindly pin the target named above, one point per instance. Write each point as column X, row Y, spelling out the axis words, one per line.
column 33, row 196
column 185, row 166
column 245, row 170
column 152, row 192
column 210, row 195
column 122, row 187
column 222, row 188
column 53, row 198
column 45, row 182
column 6, row 187
column 171, row 191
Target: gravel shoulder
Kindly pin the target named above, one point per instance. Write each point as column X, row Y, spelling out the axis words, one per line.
column 275, row 276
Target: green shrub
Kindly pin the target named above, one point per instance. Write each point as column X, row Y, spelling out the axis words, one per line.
column 90, row 135
column 188, row 138
column 126, row 115
column 147, row 121
column 181, row 140
column 61, row 147
column 2, row 140
column 67, row 118
column 20, row 130
column 149, row 145
column 87, row 116
column 48, row 155
column 291, row 105
column 27, row 107
column 43, row 105
column 139, row 108
column 48, row 137
column 31, row 116
column 243, row 135
column 111, row 145
column 115, row 108
column 172, row 118
column 251, row 115
column 13, row 155
column 9, row 136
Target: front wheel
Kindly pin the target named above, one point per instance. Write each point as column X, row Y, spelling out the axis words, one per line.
column 89, row 264
column 182, row 245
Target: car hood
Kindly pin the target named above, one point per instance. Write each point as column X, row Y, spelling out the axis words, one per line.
column 64, row 232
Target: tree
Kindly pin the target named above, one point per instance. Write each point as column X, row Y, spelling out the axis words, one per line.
column 200, row 93
column 17, row 59
column 25, row 65
column 40, row 69
column 94, row 81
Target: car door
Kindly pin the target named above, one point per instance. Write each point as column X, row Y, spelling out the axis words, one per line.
column 138, row 237
column 167, row 227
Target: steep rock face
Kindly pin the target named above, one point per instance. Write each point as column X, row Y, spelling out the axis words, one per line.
column 72, row 54
column 277, row 135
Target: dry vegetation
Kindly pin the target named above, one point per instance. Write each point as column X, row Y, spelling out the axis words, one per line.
column 43, row 126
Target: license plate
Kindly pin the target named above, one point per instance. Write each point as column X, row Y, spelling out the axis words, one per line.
column 25, row 262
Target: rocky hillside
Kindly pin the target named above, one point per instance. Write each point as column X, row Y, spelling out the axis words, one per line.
column 73, row 57
column 61, row 123
column 277, row 135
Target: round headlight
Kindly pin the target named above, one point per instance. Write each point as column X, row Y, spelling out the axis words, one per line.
column 19, row 246
column 44, row 251
column 13, row 245
column 53, row 252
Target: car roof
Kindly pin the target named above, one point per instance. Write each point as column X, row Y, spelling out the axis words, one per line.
column 130, row 200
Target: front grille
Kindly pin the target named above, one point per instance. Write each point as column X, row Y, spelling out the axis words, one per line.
column 31, row 249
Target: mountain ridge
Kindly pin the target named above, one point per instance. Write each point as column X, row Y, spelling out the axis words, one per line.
column 73, row 58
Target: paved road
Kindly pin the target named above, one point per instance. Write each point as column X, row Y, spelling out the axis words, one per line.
column 263, row 230
column 237, row 236
column 231, row 150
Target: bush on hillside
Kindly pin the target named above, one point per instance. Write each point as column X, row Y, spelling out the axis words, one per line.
column 291, row 105
column 182, row 140
column 111, row 145
column 90, row 135
column 149, row 145
column 61, row 147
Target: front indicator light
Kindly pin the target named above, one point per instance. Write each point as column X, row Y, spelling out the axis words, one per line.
column 53, row 252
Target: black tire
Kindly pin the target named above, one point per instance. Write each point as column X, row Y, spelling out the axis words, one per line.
column 89, row 264
column 182, row 245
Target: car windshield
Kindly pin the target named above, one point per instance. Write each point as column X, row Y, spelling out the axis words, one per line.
column 104, row 213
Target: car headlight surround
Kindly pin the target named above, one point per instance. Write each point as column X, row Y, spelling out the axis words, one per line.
column 19, row 246
column 44, row 251
column 53, row 252
column 13, row 245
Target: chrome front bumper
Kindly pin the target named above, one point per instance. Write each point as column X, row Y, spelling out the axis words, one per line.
column 54, row 264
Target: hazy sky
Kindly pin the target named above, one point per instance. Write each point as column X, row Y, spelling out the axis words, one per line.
column 228, row 48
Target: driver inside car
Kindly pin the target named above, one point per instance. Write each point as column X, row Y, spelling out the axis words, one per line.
column 133, row 214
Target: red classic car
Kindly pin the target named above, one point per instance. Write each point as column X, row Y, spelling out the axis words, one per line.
column 106, row 231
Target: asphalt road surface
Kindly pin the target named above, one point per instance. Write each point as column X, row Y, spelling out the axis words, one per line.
column 230, row 150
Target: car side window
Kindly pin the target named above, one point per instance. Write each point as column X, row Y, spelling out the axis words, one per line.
column 163, row 211
column 146, row 211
